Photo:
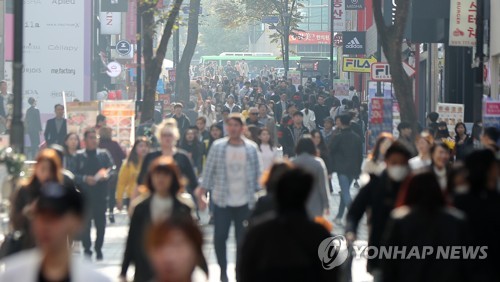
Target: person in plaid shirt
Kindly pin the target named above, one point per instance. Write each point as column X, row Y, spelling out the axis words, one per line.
column 231, row 174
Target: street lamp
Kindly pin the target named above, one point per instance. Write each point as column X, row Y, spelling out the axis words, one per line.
column 17, row 129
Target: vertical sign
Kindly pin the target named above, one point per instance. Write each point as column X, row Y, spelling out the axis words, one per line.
column 463, row 23
column 451, row 114
column 491, row 114
column 381, row 117
column 338, row 17
column 57, row 52
column 120, row 118
column 111, row 22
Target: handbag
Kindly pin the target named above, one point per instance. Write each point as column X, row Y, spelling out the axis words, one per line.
column 12, row 244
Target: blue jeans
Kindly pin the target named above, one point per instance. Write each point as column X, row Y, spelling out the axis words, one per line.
column 345, row 193
column 223, row 217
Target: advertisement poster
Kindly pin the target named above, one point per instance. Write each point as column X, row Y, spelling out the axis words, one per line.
column 341, row 88
column 451, row 114
column 57, row 52
column 120, row 118
column 491, row 114
column 380, row 117
column 81, row 115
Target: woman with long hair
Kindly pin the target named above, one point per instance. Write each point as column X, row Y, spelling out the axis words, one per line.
column 462, row 141
column 71, row 147
column 193, row 147
column 215, row 133
column 322, row 152
column 129, row 172
column 424, row 144
column 164, row 182
column 48, row 168
column 207, row 110
column 268, row 151
column 375, row 164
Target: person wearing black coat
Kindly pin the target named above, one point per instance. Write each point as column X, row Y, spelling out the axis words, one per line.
column 56, row 128
column 379, row 197
column 292, row 134
column 346, row 157
column 160, row 205
column 285, row 248
column 33, row 127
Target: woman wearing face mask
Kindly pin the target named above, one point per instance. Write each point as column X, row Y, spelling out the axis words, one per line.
column 375, row 164
column 164, row 183
column 440, row 155
column 379, row 196
column 424, row 144
column 47, row 169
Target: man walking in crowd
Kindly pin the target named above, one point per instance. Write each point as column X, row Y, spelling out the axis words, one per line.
column 56, row 128
column 253, row 117
column 33, row 128
column 183, row 122
column 268, row 121
column 292, row 134
column 405, row 137
column 347, row 156
column 92, row 173
column 231, row 174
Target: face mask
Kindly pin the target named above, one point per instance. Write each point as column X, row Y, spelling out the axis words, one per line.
column 398, row 172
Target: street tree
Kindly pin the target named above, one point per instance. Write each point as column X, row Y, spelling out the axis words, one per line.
column 391, row 37
column 182, row 70
column 153, row 60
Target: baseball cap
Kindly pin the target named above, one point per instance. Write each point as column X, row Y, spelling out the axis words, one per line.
column 59, row 200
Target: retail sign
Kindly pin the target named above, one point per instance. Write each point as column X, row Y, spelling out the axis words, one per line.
column 111, row 23
column 339, row 16
column 358, row 64
column 354, row 42
column 123, row 47
column 310, row 37
column 114, row 69
column 355, row 4
column 463, row 23
column 382, row 71
column 491, row 114
column 337, row 39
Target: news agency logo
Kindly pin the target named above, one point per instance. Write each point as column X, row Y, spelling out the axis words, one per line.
column 333, row 252
column 354, row 44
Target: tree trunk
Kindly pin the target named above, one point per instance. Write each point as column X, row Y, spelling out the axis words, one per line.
column 392, row 38
column 183, row 79
column 153, row 63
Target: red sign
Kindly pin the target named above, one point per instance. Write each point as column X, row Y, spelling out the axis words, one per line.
column 310, row 37
column 377, row 116
column 131, row 25
column 493, row 108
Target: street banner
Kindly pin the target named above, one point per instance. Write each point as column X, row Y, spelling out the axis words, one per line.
column 111, row 23
column 451, row 114
column 463, row 23
column 341, row 88
column 381, row 118
column 339, row 16
column 120, row 118
column 81, row 115
column 491, row 114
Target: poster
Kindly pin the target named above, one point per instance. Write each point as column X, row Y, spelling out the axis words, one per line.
column 57, row 52
column 451, row 114
column 120, row 118
column 380, row 117
column 341, row 88
column 81, row 115
column 491, row 114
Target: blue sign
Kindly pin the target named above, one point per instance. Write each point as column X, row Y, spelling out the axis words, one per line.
column 160, row 87
column 270, row 19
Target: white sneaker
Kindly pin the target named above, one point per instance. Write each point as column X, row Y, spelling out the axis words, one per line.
column 338, row 221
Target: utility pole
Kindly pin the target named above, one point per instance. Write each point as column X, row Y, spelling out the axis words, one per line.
column 332, row 44
column 139, row 53
column 17, row 128
column 286, row 40
column 479, row 63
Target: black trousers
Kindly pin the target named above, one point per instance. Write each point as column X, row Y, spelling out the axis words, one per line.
column 97, row 214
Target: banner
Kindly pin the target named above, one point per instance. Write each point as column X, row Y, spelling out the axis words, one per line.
column 57, row 53
column 463, row 23
column 491, row 114
column 451, row 114
column 310, row 37
column 111, row 23
column 81, row 115
column 381, row 117
column 339, row 17
column 354, row 42
column 120, row 118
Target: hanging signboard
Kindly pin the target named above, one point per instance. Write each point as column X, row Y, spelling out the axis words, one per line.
column 463, row 23
column 381, row 117
column 120, row 118
column 451, row 114
column 491, row 114
column 339, row 17
column 81, row 115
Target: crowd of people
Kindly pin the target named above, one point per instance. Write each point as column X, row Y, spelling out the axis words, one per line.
column 241, row 139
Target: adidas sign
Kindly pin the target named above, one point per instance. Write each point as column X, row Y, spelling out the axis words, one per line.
column 354, row 44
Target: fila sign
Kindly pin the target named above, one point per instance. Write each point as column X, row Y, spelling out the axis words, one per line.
column 358, row 64
column 382, row 71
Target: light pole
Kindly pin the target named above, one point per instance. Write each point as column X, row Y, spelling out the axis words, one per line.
column 332, row 35
column 139, row 53
column 286, row 39
column 17, row 129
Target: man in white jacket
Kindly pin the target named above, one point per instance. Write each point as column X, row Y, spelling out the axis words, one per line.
column 57, row 217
